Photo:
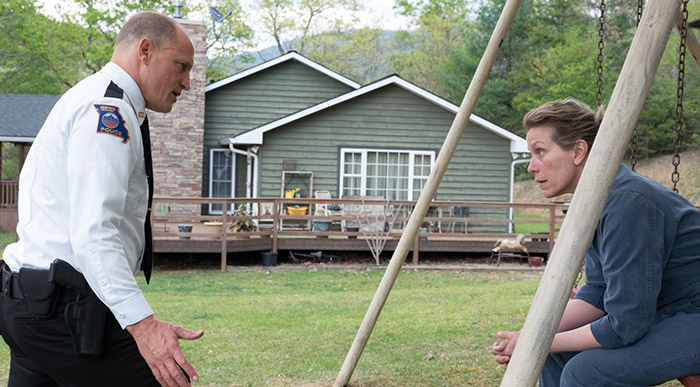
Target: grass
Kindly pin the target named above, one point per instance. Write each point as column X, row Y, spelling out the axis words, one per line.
column 283, row 329
column 530, row 228
column 6, row 239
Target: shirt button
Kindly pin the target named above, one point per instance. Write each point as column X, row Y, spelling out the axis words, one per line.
column 121, row 315
column 104, row 282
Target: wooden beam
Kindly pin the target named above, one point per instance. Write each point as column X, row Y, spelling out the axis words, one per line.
column 429, row 190
column 588, row 202
column 691, row 42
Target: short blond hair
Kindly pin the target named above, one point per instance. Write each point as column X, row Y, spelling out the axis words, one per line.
column 572, row 120
column 159, row 29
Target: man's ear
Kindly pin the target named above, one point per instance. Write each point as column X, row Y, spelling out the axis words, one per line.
column 580, row 152
column 145, row 49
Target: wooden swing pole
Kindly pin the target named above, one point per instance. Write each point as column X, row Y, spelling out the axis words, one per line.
column 691, row 42
column 589, row 199
column 429, row 190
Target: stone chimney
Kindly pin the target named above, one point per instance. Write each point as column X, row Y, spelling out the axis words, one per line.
column 177, row 137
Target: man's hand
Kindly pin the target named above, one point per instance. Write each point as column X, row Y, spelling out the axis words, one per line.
column 504, row 349
column 158, row 344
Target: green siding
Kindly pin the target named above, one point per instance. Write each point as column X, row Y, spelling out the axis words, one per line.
column 261, row 98
column 387, row 118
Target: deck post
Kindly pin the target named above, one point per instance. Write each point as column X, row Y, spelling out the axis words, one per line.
column 428, row 193
column 275, row 224
column 588, row 202
column 416, row 246
column 552, row 226
column 224, row 236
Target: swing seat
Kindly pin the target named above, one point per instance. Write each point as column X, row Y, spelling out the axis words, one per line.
column 690, row 380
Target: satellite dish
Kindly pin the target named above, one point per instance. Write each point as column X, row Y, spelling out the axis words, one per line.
column 217, row 15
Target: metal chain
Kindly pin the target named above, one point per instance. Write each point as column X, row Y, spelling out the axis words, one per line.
column 633, row 144
column 675, row 176
column 601, row 44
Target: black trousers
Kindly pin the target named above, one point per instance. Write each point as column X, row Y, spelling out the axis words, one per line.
column 41, row 352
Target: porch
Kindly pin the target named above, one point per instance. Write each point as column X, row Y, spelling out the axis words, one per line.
column 274, row 224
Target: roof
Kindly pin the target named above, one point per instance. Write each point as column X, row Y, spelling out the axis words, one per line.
column 255, row 136
column 22, row 115
column 280, row 59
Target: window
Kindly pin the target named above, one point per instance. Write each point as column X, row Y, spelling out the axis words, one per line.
column 221, row 177
column 391, row 174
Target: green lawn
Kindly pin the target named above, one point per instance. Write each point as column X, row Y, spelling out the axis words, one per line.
column 295, row 328
column 6, row 239
column 530, row 228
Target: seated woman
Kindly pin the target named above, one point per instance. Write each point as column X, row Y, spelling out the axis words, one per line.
column 636, row 321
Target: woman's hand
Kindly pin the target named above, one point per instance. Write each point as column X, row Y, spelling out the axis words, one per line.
column 504, row 350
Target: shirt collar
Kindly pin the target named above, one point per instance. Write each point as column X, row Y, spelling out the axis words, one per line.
column 131, row 89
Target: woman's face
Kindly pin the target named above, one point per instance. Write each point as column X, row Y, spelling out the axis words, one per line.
column 556, row 170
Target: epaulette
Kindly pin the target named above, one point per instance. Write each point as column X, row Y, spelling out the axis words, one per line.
column 114, row 91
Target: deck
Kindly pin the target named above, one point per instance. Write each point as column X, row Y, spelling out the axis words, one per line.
column 274, row 229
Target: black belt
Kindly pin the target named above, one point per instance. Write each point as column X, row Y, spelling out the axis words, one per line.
column 10, row 287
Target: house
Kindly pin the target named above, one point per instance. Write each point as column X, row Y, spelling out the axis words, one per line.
column 294, row 117
column 293, row 123
column 21, row 118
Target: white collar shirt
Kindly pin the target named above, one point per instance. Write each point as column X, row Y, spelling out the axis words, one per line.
column 83, row 192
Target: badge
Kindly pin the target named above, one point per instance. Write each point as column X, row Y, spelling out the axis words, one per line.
column 111, row 122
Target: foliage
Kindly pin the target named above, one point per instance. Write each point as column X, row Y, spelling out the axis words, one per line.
column 38, row 55
column 10, row 161
column 550, row 51
column 291, row 23
column 360, row 54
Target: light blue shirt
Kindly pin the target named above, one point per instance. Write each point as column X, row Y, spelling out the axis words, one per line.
column 643, row 264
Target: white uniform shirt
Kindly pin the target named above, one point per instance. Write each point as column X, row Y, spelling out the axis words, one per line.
column 83, row 192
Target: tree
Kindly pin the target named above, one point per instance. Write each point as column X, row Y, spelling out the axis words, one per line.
column 291, row 23
column 38, row 55
column 361, row 55
column 420, row 54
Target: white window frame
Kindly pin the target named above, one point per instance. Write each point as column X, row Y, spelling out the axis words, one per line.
column 363, row 169
column 211, row 176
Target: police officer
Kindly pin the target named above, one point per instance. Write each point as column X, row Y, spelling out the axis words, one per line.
column 84, row 193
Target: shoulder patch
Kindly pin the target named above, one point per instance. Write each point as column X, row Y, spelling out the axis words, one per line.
column 111, row 122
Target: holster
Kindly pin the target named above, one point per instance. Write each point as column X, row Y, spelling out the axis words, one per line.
column 85, row 319
column 39, row 294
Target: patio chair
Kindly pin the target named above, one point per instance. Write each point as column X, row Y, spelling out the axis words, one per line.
column 326, row 209
column 458, row 212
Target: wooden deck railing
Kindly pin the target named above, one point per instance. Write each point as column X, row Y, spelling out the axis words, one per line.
column 488, row 220
column 9, row 191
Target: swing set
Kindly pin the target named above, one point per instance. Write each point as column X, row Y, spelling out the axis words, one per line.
column 616, row 131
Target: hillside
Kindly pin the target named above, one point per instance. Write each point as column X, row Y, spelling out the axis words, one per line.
column 658, row 168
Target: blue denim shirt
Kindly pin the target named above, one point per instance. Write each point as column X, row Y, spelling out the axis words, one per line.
column 643, row 264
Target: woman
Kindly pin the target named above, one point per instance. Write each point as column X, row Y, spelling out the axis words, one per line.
column 636, row 321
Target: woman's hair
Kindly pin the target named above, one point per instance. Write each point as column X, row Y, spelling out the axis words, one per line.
column 572, row 120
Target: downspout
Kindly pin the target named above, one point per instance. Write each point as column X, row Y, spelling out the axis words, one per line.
column 512, row 184
column 251, row 190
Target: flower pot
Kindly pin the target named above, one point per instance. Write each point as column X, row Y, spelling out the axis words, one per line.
column 352, row 229
column 269, row 259
column 322, row 225
column 184, row 230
